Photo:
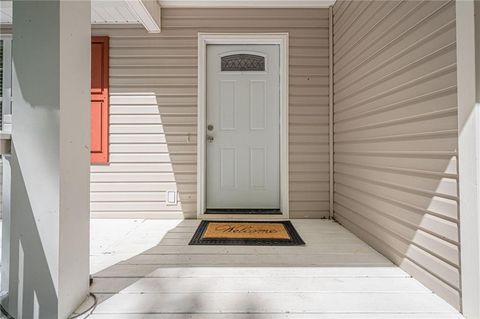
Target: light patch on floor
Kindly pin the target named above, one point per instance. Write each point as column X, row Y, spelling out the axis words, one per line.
column 145, row 269
column 114, row 240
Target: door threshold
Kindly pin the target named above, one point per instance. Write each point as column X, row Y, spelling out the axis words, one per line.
column 243, row 211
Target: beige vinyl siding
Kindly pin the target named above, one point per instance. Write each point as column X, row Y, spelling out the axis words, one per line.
column 396, row 134
column 153, row 111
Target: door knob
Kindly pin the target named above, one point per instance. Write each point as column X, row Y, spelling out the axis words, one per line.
column 210, row 138
column 210, row 127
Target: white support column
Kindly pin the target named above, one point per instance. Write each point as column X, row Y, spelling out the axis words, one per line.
column 49, row 243
column 468, row 88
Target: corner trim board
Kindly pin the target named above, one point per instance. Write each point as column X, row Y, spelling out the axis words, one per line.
column 330, row 113
column 468, row 154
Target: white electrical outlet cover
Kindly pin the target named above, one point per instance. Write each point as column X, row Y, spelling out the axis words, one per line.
column 172, row 197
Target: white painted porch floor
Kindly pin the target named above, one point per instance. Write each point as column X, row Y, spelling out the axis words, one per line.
column 144, row 269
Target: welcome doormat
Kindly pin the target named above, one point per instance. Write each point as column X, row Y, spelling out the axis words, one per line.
column 271, row 233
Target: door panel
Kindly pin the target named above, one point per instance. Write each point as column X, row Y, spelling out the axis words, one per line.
column 228, row 169
column 227, row 105
column 243, row 127
column 258, row 99
column 258, row 168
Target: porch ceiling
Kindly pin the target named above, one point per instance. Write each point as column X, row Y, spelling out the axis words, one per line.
column 103, row 12
column 119, row 12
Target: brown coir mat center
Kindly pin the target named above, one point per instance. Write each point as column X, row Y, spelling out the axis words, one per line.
column 269, row 233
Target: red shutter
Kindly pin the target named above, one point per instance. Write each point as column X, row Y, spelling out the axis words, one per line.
column 99, row 101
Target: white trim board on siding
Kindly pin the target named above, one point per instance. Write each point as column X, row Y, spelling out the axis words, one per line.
column 468, row 152
column 204, row 39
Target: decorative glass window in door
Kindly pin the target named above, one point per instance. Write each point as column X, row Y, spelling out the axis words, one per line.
column 243, row 62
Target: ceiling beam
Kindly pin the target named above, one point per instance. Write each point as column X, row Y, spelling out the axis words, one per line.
column 148, row 13
column 246, row 3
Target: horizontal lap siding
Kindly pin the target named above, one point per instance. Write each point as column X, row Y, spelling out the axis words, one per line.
column 153, row 113
column 396, row 134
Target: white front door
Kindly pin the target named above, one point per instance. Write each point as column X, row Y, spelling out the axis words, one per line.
column 243, row 127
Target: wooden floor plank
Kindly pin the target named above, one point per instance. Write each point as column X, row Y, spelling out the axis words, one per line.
column 154, row 271
column 254, row 284
column 319, row 260
column 319, row 241
column 271, row 303
column 278, row 316
column 274, row 250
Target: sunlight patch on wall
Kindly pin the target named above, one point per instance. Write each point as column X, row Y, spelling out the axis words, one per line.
column 150, row 155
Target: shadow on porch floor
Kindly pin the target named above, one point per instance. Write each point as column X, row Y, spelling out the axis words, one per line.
column 144, row 269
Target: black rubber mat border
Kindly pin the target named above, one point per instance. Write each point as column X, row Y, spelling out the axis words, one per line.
column 295, row 239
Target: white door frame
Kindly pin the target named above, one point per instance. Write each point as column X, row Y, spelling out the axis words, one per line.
column 204, row 39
